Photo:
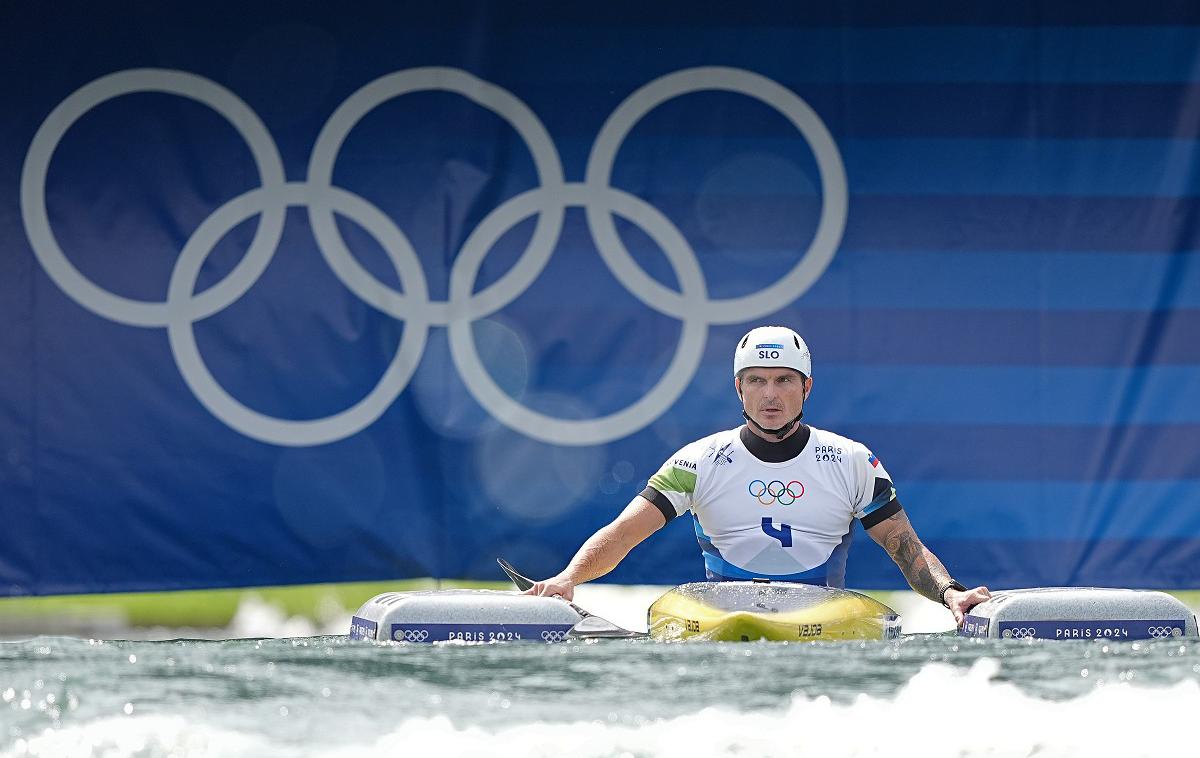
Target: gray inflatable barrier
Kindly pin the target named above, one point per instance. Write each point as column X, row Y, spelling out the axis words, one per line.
column 1074, row 613
column 465, row 615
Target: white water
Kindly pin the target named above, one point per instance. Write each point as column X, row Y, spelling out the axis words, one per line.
column 942, row 712
column 926, row 696
column 977, row 717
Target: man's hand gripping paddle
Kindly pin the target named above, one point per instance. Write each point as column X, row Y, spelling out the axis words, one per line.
column 590, row 626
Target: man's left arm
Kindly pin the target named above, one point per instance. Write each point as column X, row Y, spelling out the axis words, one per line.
column 924, row 572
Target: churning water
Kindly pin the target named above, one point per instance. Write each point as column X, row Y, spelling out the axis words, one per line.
column 928, row 695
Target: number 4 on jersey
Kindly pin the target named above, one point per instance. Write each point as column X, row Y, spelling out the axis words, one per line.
column 783, row 533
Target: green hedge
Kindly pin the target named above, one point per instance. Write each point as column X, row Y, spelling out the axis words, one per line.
column 210, row 608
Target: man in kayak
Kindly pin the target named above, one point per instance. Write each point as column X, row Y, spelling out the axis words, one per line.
column 773, row 498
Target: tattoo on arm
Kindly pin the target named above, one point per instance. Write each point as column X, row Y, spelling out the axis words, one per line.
column 924, row 572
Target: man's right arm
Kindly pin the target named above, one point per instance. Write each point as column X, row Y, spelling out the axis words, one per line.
column 605, row 549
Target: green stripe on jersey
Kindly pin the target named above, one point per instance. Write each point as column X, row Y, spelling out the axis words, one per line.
column 673, row 479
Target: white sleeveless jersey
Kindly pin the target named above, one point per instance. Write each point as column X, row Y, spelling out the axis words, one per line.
column 783, row 521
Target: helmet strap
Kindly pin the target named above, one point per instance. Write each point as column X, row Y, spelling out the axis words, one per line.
column 782, row 431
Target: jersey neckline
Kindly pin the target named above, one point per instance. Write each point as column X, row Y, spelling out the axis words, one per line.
column 775, row 452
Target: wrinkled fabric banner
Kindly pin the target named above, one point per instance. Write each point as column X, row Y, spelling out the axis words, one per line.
column 340, row 295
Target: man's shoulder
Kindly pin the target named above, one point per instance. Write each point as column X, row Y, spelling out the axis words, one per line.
column 705, row 450
column 681, row 471
column 718, row 443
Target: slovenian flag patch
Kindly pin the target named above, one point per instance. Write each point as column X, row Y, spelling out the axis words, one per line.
column 873, row 461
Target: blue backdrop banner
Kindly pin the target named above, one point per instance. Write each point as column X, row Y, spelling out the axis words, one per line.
column 315, row 294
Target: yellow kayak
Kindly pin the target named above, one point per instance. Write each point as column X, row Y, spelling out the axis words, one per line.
column 747, row 611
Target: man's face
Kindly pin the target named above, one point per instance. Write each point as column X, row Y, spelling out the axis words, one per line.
column 772, row 396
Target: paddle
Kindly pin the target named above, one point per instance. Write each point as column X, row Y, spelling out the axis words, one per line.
column 590, row 625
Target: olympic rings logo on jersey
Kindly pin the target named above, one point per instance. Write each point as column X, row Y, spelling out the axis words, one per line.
column 183, row 306
column 775, row 491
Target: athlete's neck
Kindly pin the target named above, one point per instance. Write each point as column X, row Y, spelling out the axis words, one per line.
column 771, row 451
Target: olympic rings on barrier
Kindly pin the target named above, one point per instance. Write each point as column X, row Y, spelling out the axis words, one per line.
column 1162, row 632
column 414, row 635
column 183, row 306
column 553, row 635
column 776, row 491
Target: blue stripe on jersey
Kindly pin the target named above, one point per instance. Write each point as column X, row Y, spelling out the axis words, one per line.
column 832, row 573
column 706, row 545
column 883, row 499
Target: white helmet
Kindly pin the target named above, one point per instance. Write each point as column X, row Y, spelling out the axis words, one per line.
column 772, row 347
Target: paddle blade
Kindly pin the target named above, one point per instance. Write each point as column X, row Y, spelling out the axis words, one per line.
column 594, row 627
column 523, row 582
column 590, row 627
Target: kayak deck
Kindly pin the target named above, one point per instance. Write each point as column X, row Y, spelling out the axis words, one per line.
column 719, row 611
column 748, row 611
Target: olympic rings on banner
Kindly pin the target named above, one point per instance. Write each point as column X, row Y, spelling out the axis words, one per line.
column 775, row 491
column 183, row 306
